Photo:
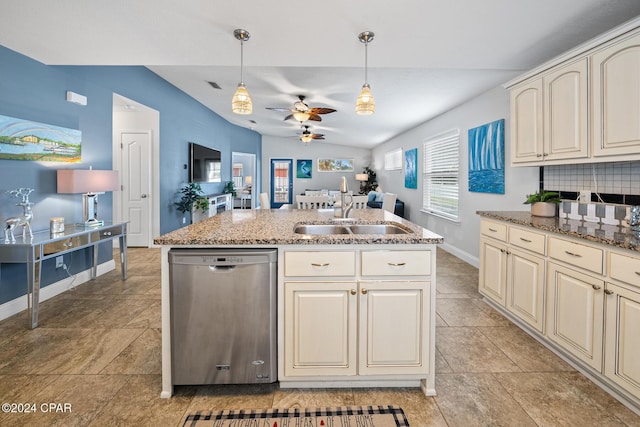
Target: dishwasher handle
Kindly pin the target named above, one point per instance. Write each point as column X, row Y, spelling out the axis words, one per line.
column 222, row 267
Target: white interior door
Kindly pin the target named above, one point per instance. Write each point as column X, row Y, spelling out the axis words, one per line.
column 135, row 180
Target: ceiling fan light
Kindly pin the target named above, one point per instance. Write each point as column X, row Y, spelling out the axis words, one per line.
column 365, row 105
column 306, row 137
column 301, row 116
column 241, row 102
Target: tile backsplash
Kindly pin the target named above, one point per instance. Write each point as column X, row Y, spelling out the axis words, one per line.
column 619, row 182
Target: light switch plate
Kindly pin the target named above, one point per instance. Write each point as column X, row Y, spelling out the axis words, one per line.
column 584, row 197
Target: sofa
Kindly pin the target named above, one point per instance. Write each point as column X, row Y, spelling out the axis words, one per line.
column 398, row 208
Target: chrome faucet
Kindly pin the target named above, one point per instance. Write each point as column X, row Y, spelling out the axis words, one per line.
column 345, row 208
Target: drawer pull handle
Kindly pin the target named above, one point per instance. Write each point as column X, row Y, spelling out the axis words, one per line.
column 107, row 233
column 525, row 240
column 637, row 272
column 397, row 264
column 493, row 230
column 596, row 287
column 608, row 291
column 572, row 254
column 68, row 244
column 353, row 292
column 364, row 291
column 324, row 264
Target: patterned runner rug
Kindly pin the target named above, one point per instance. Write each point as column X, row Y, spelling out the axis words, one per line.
column 348, row 416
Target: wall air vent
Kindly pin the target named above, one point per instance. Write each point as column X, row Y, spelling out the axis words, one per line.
column 214, row 85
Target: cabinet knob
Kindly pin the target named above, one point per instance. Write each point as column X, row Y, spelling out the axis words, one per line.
column 608, row 291
column 143, row 196
column 596, row 287
column 353, row 292
column 364, row 291
column 538, row 155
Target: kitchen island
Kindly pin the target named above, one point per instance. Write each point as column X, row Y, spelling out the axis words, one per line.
column 354, row 310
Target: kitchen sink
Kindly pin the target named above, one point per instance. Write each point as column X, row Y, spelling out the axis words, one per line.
column 327, row 229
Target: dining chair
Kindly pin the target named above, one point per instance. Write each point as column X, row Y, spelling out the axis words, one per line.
column 360, row 202
column 389, row 202
column 264, row 201
column 312, row 202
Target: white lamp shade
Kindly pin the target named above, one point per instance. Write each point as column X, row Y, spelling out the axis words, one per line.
column 362, row 177
column 248, row 180
column 76, row 181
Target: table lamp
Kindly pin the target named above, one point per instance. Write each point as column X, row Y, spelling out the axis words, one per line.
column 362, row 177
column 89, row 183
column 248, row 180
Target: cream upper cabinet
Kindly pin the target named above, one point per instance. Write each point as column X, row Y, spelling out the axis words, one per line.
column 526, row 122
column 622, row 364
column 566, row 112
column 615, row 83
column 575, row 319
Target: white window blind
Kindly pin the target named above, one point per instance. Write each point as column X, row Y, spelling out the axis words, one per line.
column 440, row 177
column 393, row 160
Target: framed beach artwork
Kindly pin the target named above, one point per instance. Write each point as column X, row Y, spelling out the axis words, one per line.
column 303, row 168
column 26, row 140
column 335, row 165
column 411, row 168
column 486, row 158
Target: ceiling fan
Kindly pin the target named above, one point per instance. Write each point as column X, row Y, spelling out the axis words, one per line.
column 307, row 135
column 302, row 112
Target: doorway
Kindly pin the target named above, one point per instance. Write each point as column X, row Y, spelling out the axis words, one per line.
column 281, row 182
column 243, row 170
column 136, row 157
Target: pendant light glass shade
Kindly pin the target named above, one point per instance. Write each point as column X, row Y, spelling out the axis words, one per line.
column 306, row 137
column 365, row 104
column 241, row 102
column 301, row 116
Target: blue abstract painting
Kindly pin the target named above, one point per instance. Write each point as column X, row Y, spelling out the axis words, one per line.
column 486, row 158
column 411, row 168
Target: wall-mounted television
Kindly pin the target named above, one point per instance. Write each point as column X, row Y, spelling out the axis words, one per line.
column 204, row 164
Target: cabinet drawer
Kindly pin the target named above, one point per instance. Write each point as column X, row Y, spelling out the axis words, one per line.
column 64, row 244
column 624, row 268
column 309, row 263
column 582, row 256
column 494, row 229
column 107, row 233
column 527, row 239
column 396, row 263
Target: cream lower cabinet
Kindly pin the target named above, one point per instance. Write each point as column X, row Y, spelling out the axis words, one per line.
column 575, row 308
column 493, row 270
column 357, row 314
column 525, row 287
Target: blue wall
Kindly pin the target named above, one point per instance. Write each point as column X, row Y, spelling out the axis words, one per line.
column 34, row 91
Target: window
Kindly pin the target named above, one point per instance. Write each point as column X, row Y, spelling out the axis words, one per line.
column 440, row 177
column 393, row 160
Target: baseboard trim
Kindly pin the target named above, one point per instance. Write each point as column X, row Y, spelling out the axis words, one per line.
column 17, row 305
column 466, row 257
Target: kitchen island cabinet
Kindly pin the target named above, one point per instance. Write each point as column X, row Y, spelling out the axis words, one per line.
column 354, row 310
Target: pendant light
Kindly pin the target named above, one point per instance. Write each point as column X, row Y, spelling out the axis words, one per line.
column 241, row 102
column 365, row 105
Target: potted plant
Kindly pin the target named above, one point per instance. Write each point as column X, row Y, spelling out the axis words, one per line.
column 229, row 188
column 192, row 199
column 371, row 183
column 543, row 203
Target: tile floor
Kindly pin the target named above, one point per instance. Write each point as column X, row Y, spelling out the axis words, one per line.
column 98, row 349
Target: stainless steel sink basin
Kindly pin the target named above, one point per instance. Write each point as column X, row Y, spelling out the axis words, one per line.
column 321, row 229
column 327, row 229
column 377, row 229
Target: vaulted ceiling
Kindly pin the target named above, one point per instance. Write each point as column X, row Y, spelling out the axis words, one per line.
column 427, row 55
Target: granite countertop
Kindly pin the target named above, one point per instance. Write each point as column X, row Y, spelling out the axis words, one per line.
column 275, row 227
column 620, row 236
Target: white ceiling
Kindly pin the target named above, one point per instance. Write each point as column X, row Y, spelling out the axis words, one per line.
column 427, row 56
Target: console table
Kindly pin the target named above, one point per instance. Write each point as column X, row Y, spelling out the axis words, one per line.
column 45, row 245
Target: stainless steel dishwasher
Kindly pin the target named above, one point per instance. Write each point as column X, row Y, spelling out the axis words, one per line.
column 223, row 316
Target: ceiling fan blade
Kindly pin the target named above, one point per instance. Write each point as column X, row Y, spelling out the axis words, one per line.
column 280, row 110
column 315, row 118
column 321, row 110
column 290, row 116
column 317, row 136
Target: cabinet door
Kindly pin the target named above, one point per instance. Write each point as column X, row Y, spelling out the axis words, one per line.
column 566, row 112
column 622, row 341
column 575, row 306
column 526, row 122
column 394, row 328
column 525, row 287
column 493, row 270
column 616, row 98
column 320, row 328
